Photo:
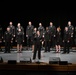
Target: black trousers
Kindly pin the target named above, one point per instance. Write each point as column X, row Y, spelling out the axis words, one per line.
column 37, row 48
column 47, row 46
column 29, row 41
column 66, row 47
column 52, row 42
column 0, row 45
column 71, row 42
column 7, row 47
column 12, row 43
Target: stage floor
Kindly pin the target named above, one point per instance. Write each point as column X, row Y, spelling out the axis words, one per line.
column 71, row 57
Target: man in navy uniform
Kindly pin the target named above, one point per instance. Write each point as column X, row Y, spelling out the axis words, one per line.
column 71, row 32
column 29, row 34
column 1, row 37
column 47, row 38
column 12, row 30
column 66, row 40
column 41, row 29
column 52, row 30
column 7, row 39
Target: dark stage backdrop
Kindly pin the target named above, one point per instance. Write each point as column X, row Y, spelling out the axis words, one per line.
column 58, row 17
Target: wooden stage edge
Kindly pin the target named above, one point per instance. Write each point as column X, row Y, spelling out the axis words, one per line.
column 37, row 66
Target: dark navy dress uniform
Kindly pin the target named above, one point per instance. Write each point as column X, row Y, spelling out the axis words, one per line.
column 66, row 42
column 71, row 31
column 37, row 47
column 19, row 37
column 47, row 38
column 52, row 30
column 12, row 30
column 58, row 38
column 29, row 33
column 8, row 38
column 1, row 37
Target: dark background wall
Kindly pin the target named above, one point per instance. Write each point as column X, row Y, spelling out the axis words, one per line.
column 58, row 17
column 19, row 12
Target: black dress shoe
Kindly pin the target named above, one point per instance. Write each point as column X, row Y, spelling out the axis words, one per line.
column 67, row 52
column 9, row 52
column 48, row 51
column 0, row 49
column 5, row 52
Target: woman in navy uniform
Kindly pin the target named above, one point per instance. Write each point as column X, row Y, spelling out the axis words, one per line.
column 19, row 26
column 7, row 39
column 58, row 40
column 37, row 46
column 34, row 34
column 19, row 40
